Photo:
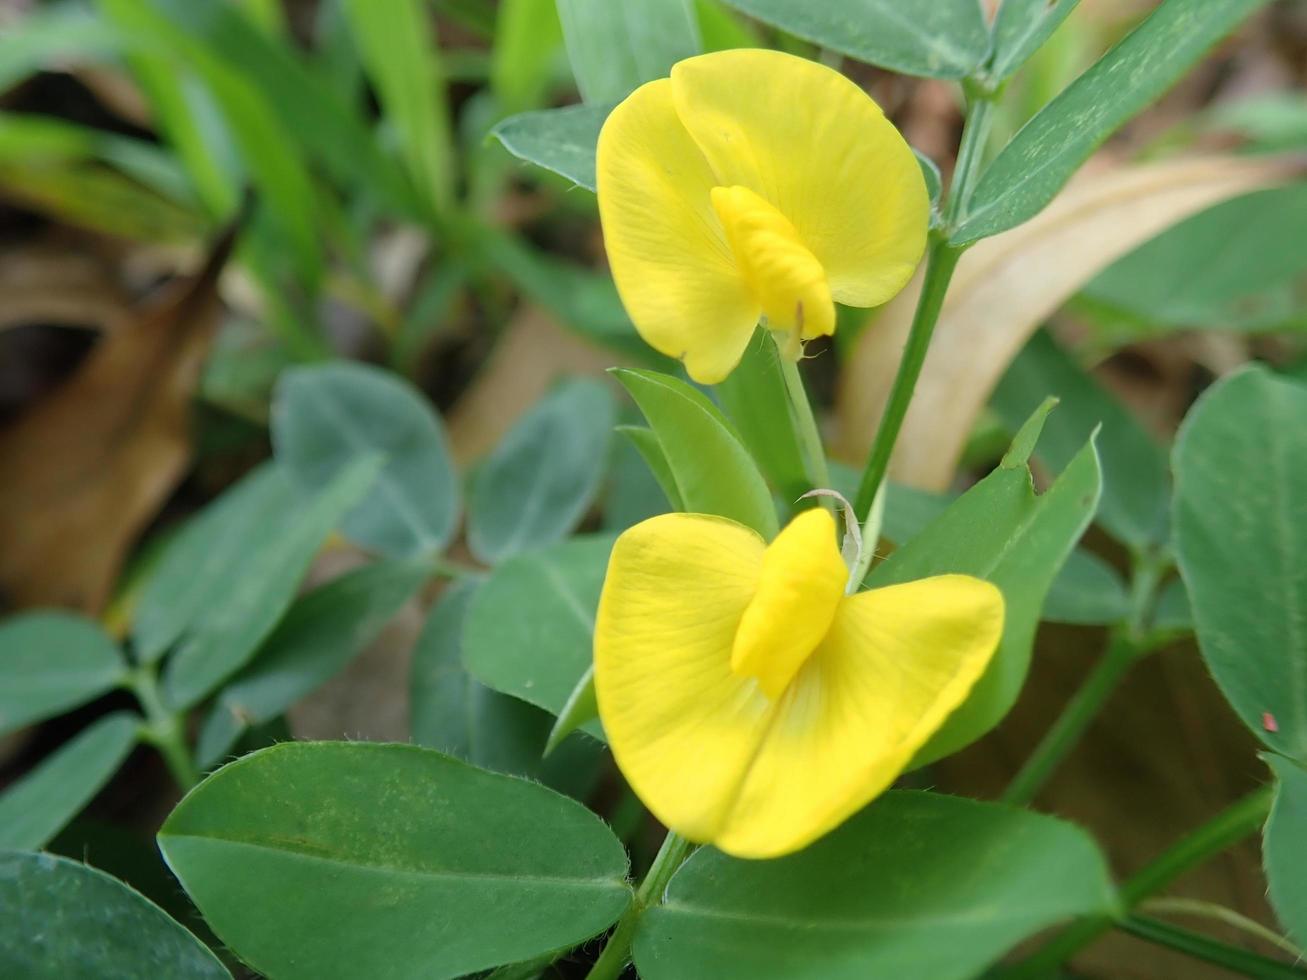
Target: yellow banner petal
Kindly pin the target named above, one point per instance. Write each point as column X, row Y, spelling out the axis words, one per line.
column 673, row 267
column 814, row 145
column 682, row 725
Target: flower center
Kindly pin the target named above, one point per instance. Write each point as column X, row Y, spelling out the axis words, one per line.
column 801, row 584
column 785, row 278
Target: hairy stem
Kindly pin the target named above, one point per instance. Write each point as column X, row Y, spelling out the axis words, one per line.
column 617, row 952
column 163, row 727
column 805, row 425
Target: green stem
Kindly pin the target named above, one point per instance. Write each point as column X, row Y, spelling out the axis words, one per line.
column 971, row 152
column 1210, row 950
column 1227, row 828
column 1072, row 722
column 1127, row 644
column 617, row 952
column 805, row 424
column 163, row 727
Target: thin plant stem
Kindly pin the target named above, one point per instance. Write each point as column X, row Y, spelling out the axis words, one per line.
column 617, row 952
column 941, row 260
column 805, row 425
column 1209, row 950
column 1227, row 828
column 1066, row 732
column 1211, row 910
column 163, row 728
column 1126, row 644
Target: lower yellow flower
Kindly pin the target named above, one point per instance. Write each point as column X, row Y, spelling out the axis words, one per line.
column 753, row 705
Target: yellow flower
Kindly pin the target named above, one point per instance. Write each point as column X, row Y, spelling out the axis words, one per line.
column 753, row 183
column 752, row 704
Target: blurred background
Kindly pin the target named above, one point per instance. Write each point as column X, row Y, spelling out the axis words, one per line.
column 343, row 152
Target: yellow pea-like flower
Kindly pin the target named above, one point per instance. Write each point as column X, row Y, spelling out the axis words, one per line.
column 753, row 705
column 754, row 184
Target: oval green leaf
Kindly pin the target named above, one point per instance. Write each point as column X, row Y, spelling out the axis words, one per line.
column 616, row 47
column 930, row 38
column 257, row 571
column 51, row 662
column 714, row 473
column 1020, row 27
column 453, row 712
column 35, row 808
column 1241, row 543
column 1031, row 169
column 325, row 860
column 327, row 416
column 560, row 140
column 77, row 923
column 916, row 885
column 1001, row 531
column 541, row 479
column 530, row 628
column 319, row 635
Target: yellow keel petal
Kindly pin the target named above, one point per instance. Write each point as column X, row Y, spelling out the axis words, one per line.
column 817, row 148
column 896, row 662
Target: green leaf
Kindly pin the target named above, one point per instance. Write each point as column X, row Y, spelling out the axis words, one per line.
column 1240, row 519
column 1086, row 592
column 274, row 165
column 398, row 45
column 51, row 662
column 1284, row 848
column 1136, row 484
column 754, row 397
column 50, row 35
column 230, row 575
column 1172, row 611
column 930, row 38
column 560, row 140
column 713, row 471
column 542, row 477
column 319, row 635
column 916, row 885
column 35, row 808
column 528, row 41
column 617, row 45
column 324, row 417
column 1001, row 531
column 343, row 860
column 76, row 923
column 1234, row 265
column 530, row 628
column 312, row 114
column 1031, row 169
column 1020, row 28
column 651, row 451
column 453, row 712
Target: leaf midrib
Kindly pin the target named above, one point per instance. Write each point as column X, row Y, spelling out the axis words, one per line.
column 605, row 883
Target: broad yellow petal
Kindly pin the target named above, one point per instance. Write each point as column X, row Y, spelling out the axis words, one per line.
column 673, row 267
column 896, row 662
column 816, row 147
column 681, row 724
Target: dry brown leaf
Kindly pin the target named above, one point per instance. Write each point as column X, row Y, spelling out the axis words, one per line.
column 53, row 284
column 88, row 467
column 1005, row 287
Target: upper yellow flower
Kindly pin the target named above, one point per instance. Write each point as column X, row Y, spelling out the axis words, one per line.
column 752, row 704
column 753, row 183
